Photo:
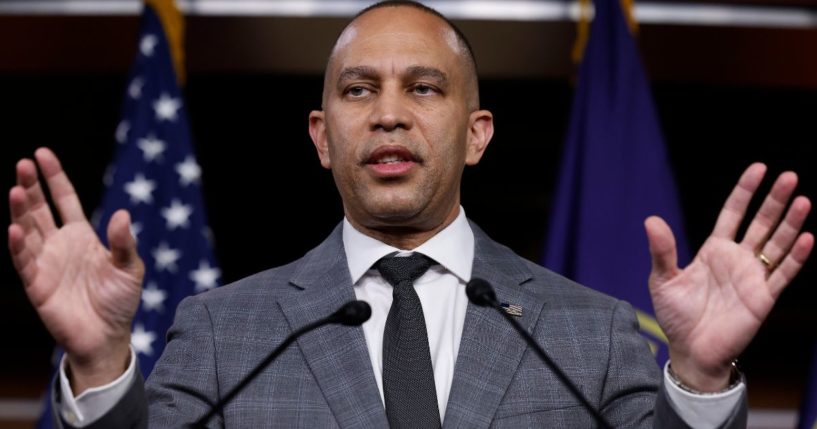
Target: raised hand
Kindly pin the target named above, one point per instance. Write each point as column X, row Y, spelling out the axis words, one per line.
column 711, row 309
column 85, row 294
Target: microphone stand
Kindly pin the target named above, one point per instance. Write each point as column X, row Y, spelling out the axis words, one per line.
column 352, row 313
column 482, row 294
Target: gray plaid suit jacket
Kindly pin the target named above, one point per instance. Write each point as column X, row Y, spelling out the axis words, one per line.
column 327, row 381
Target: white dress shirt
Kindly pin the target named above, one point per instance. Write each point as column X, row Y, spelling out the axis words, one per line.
column 442, row 295
column 441, row 290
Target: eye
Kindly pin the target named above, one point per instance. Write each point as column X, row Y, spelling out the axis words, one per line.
column 423, row 89
column 357, row 91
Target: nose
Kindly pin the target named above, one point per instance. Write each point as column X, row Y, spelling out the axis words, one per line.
column 390, row 111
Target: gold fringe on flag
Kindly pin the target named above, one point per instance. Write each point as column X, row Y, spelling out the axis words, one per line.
column 628, row 6
column 583, row 26
column 173, row 24
column 582, row 32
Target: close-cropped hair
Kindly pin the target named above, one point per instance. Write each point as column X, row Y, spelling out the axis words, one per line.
column 463, row 41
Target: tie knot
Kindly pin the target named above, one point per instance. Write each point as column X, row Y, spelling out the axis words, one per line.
column 401, row 269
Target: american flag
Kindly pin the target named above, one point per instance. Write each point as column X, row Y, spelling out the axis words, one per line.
column 156, row 178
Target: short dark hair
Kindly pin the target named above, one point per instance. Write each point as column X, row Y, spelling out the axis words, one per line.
column 419, row 6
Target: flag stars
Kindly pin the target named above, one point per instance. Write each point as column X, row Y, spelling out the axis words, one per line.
column 107, row 178
column 153, row 298
column 157, row 178
column 189, row 171
column 135, row 229
column 166, row 258
column 148, row 44
column 135, row 88
column 177, row 215
column 141, row 340
column 140, row 189
column 167, row 107
column 152, row 148
column 122, row 132
column 207, row 233
column 205, row 277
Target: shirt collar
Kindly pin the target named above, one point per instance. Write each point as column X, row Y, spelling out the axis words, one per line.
column 453, row 248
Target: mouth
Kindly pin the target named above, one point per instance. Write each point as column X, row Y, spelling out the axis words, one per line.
column 391, row 162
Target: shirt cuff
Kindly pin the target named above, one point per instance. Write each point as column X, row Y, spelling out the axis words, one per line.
column 95, row 402
column 702, row 411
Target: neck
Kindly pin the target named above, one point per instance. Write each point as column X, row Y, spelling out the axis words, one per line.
column 405, row 237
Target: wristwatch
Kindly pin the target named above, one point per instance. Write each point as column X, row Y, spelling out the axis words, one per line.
column 735, row 378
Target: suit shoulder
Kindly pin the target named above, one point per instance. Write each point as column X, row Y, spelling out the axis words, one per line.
column 273, row 281
column 279, row 282
column 566, row 291
column 537, row 279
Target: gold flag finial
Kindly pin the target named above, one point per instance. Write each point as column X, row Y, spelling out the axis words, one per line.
column 173, row 24
column 583, row 26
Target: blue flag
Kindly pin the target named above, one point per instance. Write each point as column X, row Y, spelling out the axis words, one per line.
column 808, row 411
column 156, row 178
column 614, row 174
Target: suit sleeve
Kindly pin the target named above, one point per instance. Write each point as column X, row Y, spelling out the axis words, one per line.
column 131, row 411
column 184, row 385
column 667, row 417
column 630, row 397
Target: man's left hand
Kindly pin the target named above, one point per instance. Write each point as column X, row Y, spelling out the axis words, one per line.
column 712, row 309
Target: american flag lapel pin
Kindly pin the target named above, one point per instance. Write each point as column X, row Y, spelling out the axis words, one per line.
column 512, row 309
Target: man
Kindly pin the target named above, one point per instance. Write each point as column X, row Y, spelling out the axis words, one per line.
column 400, row 121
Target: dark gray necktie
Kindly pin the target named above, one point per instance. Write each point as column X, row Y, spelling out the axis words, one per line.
column 408, row 378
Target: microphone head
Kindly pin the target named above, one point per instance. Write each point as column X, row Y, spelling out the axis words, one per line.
column 353, row 313
column 480, row 292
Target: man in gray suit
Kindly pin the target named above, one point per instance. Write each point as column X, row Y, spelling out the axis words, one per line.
column 400, row 121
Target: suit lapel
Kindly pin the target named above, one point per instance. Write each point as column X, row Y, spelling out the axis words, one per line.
column 336, row 355
column 490, row 350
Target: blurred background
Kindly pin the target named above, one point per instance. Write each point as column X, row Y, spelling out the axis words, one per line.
column 734, row 81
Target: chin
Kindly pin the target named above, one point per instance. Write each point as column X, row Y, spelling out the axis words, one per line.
column 394, row 213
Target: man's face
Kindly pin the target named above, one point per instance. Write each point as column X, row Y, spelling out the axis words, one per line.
column 396, row 129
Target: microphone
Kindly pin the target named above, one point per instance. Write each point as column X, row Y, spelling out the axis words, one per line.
column 353, row 313
column 481, row 293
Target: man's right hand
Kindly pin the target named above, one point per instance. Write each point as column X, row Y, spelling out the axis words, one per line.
column 85, row 294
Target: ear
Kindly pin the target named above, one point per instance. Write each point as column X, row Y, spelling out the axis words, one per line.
column 317, row 130
column 480, row 131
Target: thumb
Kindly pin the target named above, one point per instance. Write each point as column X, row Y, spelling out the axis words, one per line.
column 122, row 242
column 662, row 249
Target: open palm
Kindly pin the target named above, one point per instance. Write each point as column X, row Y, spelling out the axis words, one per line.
column 85, row 294
column 711, row 309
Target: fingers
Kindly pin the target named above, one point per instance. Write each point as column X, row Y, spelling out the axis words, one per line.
column 31, row 218
column 770, row 213
column 39, row 211
column 21, row 255
column 62, row 191
column 734, row 208
column 122, row 243
column 20, row 216
column 791, row 264
column 662, row 249
column 786, row 233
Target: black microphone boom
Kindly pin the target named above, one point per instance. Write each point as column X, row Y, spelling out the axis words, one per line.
column 353, row 313
column 481, row 293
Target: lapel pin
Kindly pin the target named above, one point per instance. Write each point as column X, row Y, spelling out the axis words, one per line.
column 512, row 309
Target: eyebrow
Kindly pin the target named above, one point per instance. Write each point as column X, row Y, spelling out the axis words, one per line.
column 428, row 72
column 355, row 73
column 413, row 72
